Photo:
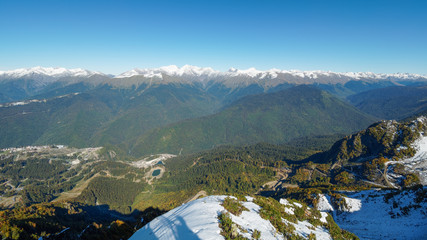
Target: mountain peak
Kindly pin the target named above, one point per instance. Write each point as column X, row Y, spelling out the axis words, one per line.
column 47, row 72
column 253, row 73
column 171, row 70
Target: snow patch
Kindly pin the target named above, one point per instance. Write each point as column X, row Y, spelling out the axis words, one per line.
column 351, row 205
column 304, row 228
column 249, row 198
column 298, row 204
column 289, row 210
column 284, row 201
column 251, row 220
column 288, row 206
column 324, row 203
column 418, row 163
column 75, row 162
column 323, row 217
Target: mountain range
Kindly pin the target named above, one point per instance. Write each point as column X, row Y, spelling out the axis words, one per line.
column 145, row 111
column 60, row 192
column 22, row 84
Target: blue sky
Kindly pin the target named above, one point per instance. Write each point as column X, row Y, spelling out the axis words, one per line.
column 382, row 36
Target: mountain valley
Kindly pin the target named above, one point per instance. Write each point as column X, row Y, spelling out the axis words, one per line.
column 306, row 155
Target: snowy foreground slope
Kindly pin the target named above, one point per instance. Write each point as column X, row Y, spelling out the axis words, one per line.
column 418, row 163
column 381, row 214
column 199, row 220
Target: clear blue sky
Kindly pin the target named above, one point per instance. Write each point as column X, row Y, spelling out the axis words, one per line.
column 382, row 36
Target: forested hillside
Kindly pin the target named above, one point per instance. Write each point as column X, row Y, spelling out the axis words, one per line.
column 275, row 118
column 101, row 116
column 397, row 102
column 128, row 189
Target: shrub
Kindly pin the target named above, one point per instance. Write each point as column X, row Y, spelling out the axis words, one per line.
column 228, row 228
column 234, row 206
column 411, row 180
column 344, row 178
column 256, row 234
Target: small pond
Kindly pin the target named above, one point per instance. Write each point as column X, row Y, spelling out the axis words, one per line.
column 156, row 173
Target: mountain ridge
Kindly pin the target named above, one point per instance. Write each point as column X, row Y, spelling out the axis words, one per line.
column 174, row 70
column 23, row 84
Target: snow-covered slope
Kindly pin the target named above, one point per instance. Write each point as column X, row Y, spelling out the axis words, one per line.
column 418, row 163
column 382, row 214
column 199, row 220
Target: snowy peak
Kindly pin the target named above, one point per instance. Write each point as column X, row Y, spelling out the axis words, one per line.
column 203, row 73
column 47, row 72
column 274, row 73
column 172, row 70
column 194, row 71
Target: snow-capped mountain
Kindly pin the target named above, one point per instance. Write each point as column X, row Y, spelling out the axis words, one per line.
column 195, row 71
column 19, row 84
column 188, row 70
column 22, row 84
column 46, row 72
column 172, row 70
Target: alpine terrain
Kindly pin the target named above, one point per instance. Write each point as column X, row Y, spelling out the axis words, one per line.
column 195, row 153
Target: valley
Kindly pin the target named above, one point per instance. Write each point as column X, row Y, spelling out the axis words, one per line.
column 103, row 156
